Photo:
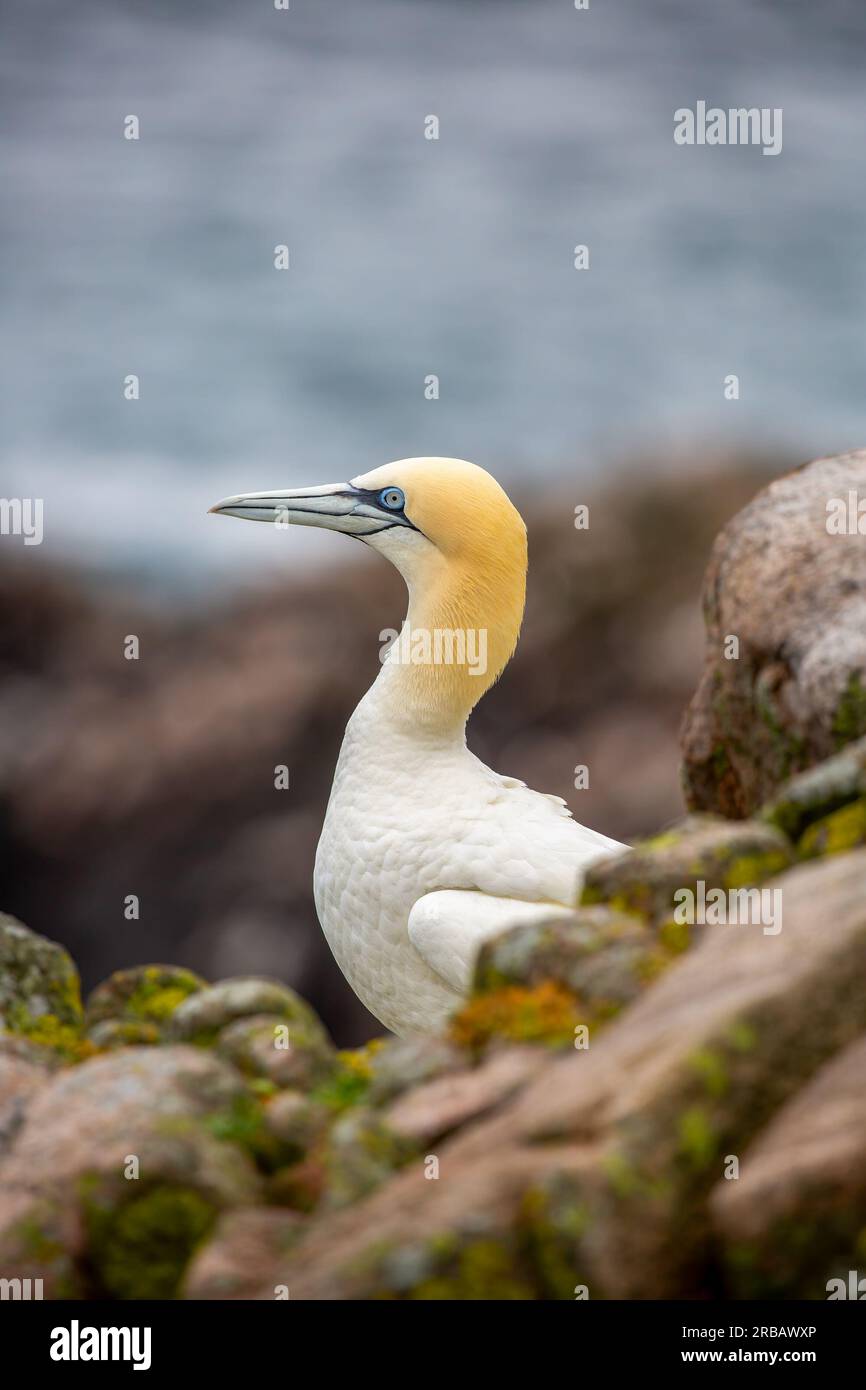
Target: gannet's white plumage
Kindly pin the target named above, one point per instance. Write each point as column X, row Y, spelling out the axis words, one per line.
column 424, row 851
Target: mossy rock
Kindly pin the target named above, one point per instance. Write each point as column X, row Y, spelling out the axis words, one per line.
column 112, row 1033
column 849, row 720
column 40, row 995
column 547, row 1013
column 361, row 1152
column 140, row 1249
column 451, row 1267
column 816, row 794
column 144, row 998
column 397, row 1064
column 722, row 854
column 835, row 834
column 286, row 1054
column 349, row 1083
column 296, row 1122
column 43, row 1241
column 602, row 957
column 553, row 1217
column 201, row 1017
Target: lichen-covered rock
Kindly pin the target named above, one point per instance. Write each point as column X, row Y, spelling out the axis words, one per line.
column 123, row 1032
column 243, row 1244
column 145, row 1146
column 719, row 853
column 824, row 808
column 790, row 585
column 361, row 1153
column 401, row 1063
column 139, row 1001
column 604, row 958
column 296, row 1122
column 40, row 996
column 202, row 1016
column 794, row 1217
column 547, row 1014
column 20, row 1079
column 632, row 1135
column 286, row 1054
column 440, row 1106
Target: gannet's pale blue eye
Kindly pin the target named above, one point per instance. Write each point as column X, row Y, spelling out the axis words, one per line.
column 392, row 498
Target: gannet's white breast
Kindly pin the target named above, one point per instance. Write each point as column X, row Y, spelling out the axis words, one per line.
column 411, row 814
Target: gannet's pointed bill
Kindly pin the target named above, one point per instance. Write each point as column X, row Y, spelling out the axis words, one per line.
column 335, row 506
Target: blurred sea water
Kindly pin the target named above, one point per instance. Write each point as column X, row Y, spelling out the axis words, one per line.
column 410, row 257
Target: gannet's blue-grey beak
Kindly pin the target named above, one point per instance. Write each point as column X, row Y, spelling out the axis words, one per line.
column 335, row 506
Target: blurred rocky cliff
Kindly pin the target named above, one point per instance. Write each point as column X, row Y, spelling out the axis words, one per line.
column 155, row 777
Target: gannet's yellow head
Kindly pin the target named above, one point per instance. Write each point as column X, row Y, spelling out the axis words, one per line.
column 455, row 537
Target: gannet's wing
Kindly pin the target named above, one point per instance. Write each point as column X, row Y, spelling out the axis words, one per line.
column 517, row 843
column 448, row 928
column 516, row 856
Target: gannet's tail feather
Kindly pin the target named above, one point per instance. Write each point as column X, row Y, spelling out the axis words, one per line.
column 448, row 928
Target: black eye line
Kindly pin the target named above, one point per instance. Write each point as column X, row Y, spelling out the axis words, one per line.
column 366, row 494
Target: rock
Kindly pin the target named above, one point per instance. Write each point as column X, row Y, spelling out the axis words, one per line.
column 123, row 1032
column 793, row 593
column 285, row 1054
column 604, row 958
column 721, row 854
column 230, row 1264
column 177, row 1116
column 144, row 998
column 824, row 809
column 201, row 1017
column 296, row 1121
column 401, row 1063
column 547, row 1014
column 39, row 990
column 361, row 1153
column 599, row 1172
column 438, row 1107
column 19, row 1080
column 835, row 834
column 794, row 1218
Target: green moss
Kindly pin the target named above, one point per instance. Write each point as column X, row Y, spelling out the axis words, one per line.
column 849, row 721
column 636, row 902
column 481, row 1270
column 243, row 1123
column 349, row 1083
column 747, row 870
column 140, row 1249
column 157, row 1002
column 834, row 834
column 550, row 1224
column 621, row 1174
column 697, row 1138
column 675, row 936
column 47, row 1030
column 710, row 1066
column 742, row 1036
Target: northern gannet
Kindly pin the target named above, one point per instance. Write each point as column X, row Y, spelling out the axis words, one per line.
column 425, row 852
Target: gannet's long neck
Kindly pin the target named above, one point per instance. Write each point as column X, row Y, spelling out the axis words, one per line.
column 461, row 627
